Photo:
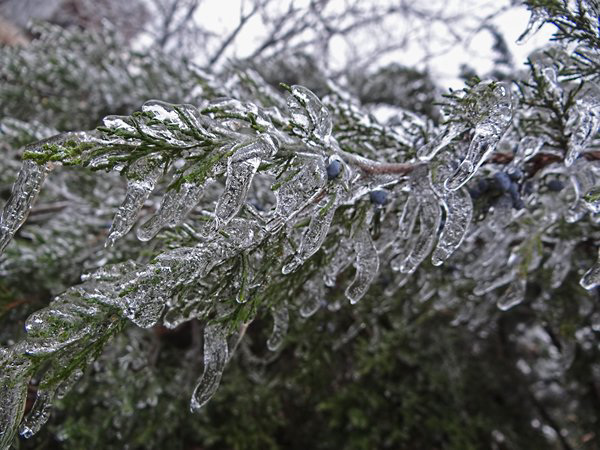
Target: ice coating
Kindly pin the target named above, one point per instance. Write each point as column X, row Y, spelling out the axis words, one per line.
column 429, row 150
column 280, row 326
column 585, row 122
column 312, row 298
column 175, row 206
column 419, row 244
column 488, row 132
column 215, row 357
column 340, row 260
column 308, row 111
column 142, row 177
column 39, row 414
column 366, row 264
column 241, row 167
column 13, row 386
column 558, row 263
column 24, row 192
column 459, row 211
column 316, row 232
column 297, row 192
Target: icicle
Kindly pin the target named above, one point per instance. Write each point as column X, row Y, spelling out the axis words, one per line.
column 215, row 358
column 316, row 232
column 584, row 124
column 409, row 216
column 560, row 262
column 39, row 414
column 280, row 326
column 24, row 192
column 591, row 279
column 429, row 150
column 314, row 293
column 142, row 177
column 241, row 167
column 487, row 286
column 536, row 21
column 366, row 264
column 422, row 243
column 293, row 195
column 459, row 210
column 514, row 294
column 340, row 260
column 308, row 111
column 487, row 134
column 175, row 206
column 243, row 291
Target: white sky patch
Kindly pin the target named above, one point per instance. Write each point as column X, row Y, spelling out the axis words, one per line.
column 443, row 59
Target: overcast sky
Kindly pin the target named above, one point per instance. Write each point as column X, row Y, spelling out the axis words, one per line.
column 222, row 15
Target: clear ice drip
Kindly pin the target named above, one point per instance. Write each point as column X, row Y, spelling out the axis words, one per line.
column 281, row 318
column 560, row 262
column 317, row 230
column 591, row 278
column 215, row 357
column 488, row 132
column 142, row 177
column 459, row 211
column 24, row 192
column 241, row 167
column 429, row 216
column 307, row 111
column 366, row 264
column 514, row 294
column 340, row 260
column 293, row 195
column 312, row 297
column 175, row 206
column 584, row 123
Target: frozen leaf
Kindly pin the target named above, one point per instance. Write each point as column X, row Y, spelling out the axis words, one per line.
column 215, row 358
